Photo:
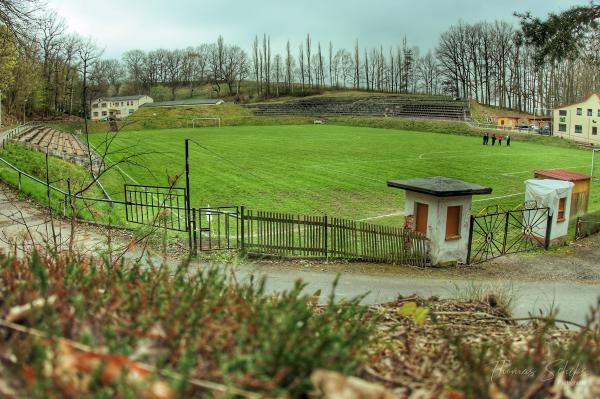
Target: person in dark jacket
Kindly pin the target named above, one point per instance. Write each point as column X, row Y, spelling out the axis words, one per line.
column 486, row 138
column 494, row 139
column 507, row 140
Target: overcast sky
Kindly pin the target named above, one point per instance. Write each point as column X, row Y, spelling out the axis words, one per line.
column 121, row 25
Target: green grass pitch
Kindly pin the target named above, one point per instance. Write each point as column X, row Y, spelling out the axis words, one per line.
column 335, row 170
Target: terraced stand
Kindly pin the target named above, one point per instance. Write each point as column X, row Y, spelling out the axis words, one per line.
column 390, row 106
column 59, row 144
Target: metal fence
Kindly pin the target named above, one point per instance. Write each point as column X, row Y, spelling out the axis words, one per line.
column 57, row 198
column 15, row 132
column 157, row 206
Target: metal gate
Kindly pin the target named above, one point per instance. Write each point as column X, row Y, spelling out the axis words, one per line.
column 215, row 228
column 157, row 206
column 496, row 232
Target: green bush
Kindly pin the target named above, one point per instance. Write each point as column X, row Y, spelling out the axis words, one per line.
column 215, row 328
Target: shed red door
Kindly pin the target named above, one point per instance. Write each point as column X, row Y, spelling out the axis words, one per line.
column 422, row 213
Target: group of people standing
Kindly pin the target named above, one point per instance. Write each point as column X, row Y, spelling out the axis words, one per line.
column 499, row 138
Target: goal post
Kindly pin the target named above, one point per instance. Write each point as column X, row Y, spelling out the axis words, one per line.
column 204, row 122
column 595, row 170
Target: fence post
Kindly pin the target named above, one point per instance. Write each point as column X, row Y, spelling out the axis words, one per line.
column 19, row 181
column 194, row 233
column 325, row 236
column 470, row 243
column 65, row 206
column 507, row 216
column 242, row 231
column 548, row 230
column 578, row 228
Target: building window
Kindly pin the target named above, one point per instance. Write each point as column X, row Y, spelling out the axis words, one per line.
column 453, row 223
column 562, row 112
column 103, row 105
column 578, row 129
column 561, row 210
column 599, row 113
column 579, row 111
column 94, row 105
column 594, row 131
column 422, row 213
column 589, row 112
column 562, row 127
column 131, row 111
column 118, row 112
column 103, row 113
column 95, row 114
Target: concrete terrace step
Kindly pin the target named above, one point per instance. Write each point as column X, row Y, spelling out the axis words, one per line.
column 400, row 106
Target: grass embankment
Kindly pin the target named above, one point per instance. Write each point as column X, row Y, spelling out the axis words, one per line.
column 488, row 114
column 59, row 171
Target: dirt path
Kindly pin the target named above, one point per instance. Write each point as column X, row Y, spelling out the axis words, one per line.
column 577, row 262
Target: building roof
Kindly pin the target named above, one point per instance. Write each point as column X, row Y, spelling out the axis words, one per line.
column 439, row 186
column 190, row 101
column 121, row 98
column 579, row 102
column 562, row 174
column 509, row 116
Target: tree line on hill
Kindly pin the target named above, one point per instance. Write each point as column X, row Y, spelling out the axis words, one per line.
column 540, row 64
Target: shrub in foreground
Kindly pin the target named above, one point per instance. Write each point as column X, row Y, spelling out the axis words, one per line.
column 137, row 327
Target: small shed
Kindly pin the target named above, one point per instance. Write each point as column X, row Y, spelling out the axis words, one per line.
column 581, row 188
column 440, row 208
column 508, row 121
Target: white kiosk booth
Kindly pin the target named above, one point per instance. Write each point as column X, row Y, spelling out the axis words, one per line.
column 555, row 195
column 440, row 208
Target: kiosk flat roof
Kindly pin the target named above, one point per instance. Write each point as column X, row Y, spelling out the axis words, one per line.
column 440, row 186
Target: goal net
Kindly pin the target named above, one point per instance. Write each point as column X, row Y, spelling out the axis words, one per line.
column 204, row 122
column 595, row 172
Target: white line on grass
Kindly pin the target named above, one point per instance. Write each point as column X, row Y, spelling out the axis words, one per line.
column 118, row 167
column 382, row 216
column 500, row 197
column 420, row 158
column 343, row 173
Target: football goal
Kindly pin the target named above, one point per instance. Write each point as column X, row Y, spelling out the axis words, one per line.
column 595, row 172
column 204, row 122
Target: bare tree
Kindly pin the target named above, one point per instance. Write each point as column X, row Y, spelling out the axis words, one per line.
column 19, row 15
column 88, row 54
column 308, row 51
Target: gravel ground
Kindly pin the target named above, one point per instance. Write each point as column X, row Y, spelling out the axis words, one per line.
column 579, row 262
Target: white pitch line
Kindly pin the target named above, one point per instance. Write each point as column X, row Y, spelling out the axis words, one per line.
column 420, row 158
column 382, row 216
column 500, row 197
column 439, row 152
column 117, row 166
column 344, row 173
